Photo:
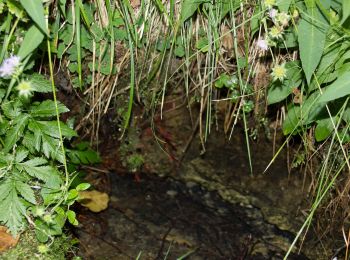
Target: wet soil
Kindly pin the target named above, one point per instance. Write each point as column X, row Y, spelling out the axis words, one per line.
column 197, row 205
column 209, row 207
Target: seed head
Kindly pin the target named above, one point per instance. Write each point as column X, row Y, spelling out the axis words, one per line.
column 25, row 88
column 279, row 72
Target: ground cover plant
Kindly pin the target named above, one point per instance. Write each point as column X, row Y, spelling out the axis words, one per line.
column 238, row 58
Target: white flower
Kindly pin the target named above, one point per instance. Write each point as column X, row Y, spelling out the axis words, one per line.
column 262, row 44
column 272, row 13
column 8, row 67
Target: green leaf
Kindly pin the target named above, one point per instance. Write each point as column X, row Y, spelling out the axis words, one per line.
column 179, row 51
column 83, row 186
column 31, row 41
column 40, row 83
column 62, row 5
column 83, row 157
column 50, row 128
column 5, row 188
column 51, row 148
column 189, row 7
column 345, row 10
column 25, row 191
column 12, row 109
column 283, row 5
column 16, row 132
column 21, row 154
column 323, row 129
column 47, row 108
column 305, row 114
column 311, row 38
column 12, row 210
column 338, row 89
column 278, row 90
column 203, row 44
column 36, row 168
column 35, row 10
column 72, row 217
column 51, row 195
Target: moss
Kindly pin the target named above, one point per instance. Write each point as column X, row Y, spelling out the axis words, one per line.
column 28, row 248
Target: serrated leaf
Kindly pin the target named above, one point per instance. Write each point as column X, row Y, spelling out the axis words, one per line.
column 35, row 168
column 12, row 109
column 35, row 10
column 338, row 89
column 12, row 211
column 50, row 128
column 15, row 8
column 52, row 149
column 16, row 132
column 40, row 83
column 5, row 188
column 47, row 108
column 37, row 161
column 31, row 41
column 21, row 154
column 25, row 191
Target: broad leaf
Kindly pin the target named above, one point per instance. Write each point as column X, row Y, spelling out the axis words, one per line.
column 346, row 11
column 302, row 115
column 323, row 129
column 312, row 31
column 338, row 89
column 283, row 5
column 35, row 10
column 31, row 41
column 83, row 157
column 189, row 7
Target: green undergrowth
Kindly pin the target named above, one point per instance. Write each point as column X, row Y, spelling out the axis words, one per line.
column 28, row 248
column 230, row 60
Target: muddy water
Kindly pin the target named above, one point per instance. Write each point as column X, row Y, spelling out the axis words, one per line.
column 207, row 207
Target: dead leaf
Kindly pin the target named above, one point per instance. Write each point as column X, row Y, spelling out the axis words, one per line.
column 94, row 200
column 179, row 239
column 6, row 239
